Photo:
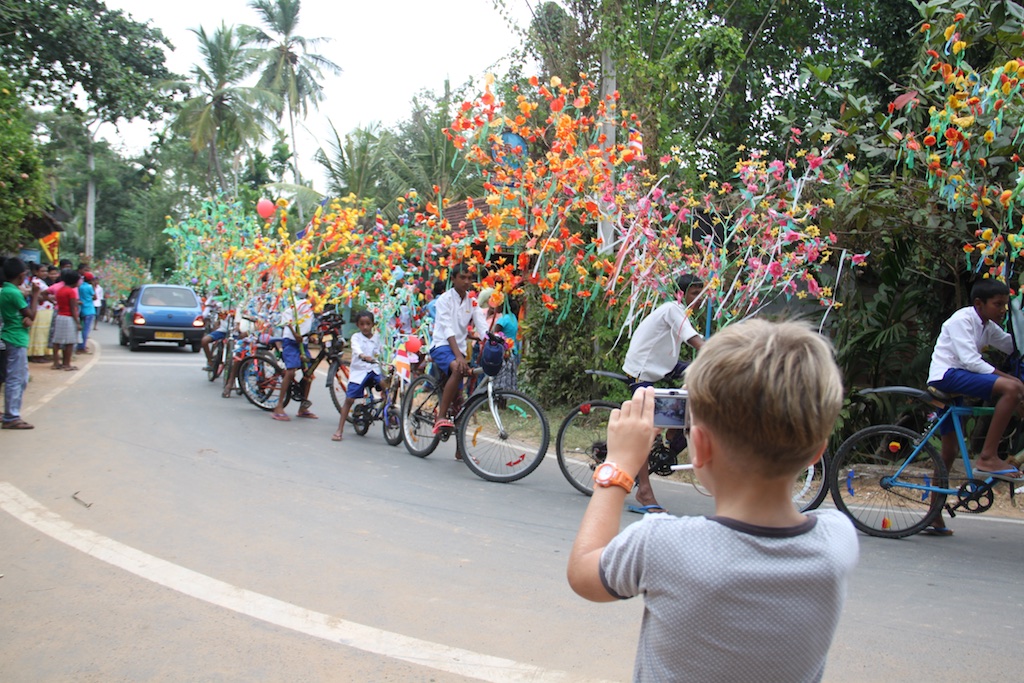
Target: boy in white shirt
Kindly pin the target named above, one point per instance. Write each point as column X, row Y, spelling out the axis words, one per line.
column 454, row 311
column 653, row 356
column 364, row 369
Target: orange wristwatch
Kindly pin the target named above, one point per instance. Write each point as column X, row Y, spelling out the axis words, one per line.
column 608, row 474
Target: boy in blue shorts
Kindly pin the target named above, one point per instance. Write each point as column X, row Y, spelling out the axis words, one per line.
column 958, row 368
column 454, row 312
column 364, row 369
column 297, row 321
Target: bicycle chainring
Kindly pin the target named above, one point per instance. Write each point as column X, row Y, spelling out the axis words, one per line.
column 974, row 497
column 661, row 459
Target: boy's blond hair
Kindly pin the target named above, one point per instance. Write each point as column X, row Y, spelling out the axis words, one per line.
column 770, row 391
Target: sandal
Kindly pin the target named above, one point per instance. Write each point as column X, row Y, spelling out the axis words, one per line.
column 226, row 393
column 70, row 368
column 337, row 436
column 280, row 417
column 56, row 367
column 17, row 424
column 443, row 423
column 307, row 414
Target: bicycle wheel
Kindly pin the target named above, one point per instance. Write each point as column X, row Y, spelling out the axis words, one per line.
column 215, row 368
column 581, row 444
column 228, row 364
column 811, row 485
column 419, row 406
column 261, row 378
column 865, row 486
column 504, row 437
column 339, row 385
column 361, row 419
column 392, row 419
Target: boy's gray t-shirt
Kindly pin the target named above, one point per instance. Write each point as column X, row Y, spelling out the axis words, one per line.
column 727, row 601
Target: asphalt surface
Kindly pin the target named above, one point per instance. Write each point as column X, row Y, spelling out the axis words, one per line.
column 152, row 530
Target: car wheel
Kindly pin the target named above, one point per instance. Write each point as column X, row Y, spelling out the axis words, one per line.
column 196, row 347
column 133, row 344
column 122, row 338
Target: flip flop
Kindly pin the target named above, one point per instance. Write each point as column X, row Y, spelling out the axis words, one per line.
column 937, row 531
column 308, row 415
column 70, row 368
column 336, row 437
column 443, row 424
column 280, row 418
column 17, row 424
column 1011, row 474
column 646, row 509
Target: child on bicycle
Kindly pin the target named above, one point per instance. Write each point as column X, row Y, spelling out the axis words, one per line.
column 755, row 591
column 297, row 321
column 958, row 368
column 653, row 356
column 364, row 369
column 454, row 311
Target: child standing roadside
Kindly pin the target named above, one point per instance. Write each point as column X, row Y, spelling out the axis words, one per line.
column 753, row 593
column 67, row 324
column 364, row 369
column 17, row 315
column 87, row 311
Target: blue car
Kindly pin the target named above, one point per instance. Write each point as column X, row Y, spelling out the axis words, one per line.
column 162, row 313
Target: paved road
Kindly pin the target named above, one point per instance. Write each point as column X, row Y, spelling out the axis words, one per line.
column 220, row 545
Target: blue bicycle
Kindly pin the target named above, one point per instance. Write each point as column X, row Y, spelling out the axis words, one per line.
column 891, row 481
column 385, row 407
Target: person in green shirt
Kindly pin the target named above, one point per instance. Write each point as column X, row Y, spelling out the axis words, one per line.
column 17, row 315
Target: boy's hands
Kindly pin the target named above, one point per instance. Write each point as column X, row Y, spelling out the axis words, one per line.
column 631, row 431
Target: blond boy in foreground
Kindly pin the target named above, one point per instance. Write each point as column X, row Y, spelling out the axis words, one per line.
column 754, row 592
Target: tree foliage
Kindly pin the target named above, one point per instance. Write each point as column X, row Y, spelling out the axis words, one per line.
column 22, row 184
column 54, row 47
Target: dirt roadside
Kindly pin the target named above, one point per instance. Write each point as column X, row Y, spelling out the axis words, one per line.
column 44, row 383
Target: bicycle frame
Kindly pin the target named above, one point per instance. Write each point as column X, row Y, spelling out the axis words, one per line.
column 950, row 412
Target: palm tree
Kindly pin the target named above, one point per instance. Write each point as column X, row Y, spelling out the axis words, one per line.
column 220, row 115
column 355, row 164
column 288, row 66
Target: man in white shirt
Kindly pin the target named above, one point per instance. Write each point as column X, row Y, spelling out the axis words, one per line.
column 454, row 311
column 652, row 356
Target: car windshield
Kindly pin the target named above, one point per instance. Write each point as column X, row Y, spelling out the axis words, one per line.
column 169, row 296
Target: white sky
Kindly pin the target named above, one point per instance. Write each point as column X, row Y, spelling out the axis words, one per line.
column 389, row 50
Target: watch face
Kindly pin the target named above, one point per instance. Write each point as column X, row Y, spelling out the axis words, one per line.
column 604, row 472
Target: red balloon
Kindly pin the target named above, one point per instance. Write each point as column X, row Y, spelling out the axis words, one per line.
column 265, row 208
column 413, row 345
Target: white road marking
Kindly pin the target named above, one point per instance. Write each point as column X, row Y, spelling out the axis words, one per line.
column 271, row 610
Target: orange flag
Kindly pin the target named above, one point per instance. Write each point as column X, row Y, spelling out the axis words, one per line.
column 51, row 246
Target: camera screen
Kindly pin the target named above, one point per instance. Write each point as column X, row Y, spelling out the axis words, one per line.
column 669, row 411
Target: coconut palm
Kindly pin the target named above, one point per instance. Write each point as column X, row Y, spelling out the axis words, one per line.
column 220, row 115
column 355, row 164
column 288, row 67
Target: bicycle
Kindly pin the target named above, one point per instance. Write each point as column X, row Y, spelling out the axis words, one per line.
column 581, row 446
column 384, row 407
column 262, row 375
column 890, row 480
column 502, row 435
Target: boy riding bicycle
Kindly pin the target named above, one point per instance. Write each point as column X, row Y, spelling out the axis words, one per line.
column 958, row 368
column 455, row 310
column 653, row 356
